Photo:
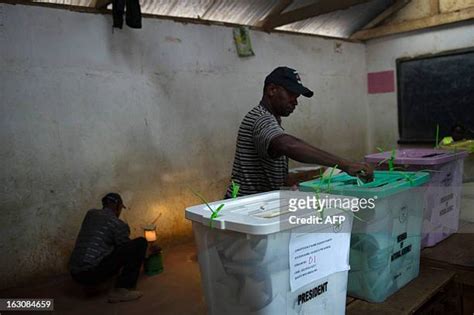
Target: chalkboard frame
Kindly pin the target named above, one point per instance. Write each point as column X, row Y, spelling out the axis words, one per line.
column 399, row 62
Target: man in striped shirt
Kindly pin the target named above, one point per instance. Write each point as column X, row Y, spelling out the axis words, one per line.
column 104, row 249
column 263, row 147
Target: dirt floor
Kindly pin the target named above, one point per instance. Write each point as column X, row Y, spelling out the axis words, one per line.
column 177, row 290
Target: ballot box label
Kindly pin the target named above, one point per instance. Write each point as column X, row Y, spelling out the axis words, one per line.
column 317, row 255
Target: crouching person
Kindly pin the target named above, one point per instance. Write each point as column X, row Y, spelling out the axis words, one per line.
column 103, row 249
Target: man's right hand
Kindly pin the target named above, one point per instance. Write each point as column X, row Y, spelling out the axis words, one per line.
column 300, row 151
column 362, row 170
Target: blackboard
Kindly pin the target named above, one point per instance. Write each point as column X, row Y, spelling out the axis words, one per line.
column 437, row 89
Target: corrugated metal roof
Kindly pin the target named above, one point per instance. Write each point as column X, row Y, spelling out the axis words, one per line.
column 296, row 4
column 79, row 3
column 340, row 23
column 181, row 8
column 245, row 12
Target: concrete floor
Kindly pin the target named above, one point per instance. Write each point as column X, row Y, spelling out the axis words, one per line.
column 175, row 291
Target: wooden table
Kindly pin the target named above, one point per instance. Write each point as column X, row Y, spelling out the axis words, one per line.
column 456, row 253
column 433, row 292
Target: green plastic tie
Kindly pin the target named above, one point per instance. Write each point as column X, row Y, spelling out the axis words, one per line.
column 214, row 213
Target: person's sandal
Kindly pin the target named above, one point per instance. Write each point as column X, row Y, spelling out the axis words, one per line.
column 124, row 295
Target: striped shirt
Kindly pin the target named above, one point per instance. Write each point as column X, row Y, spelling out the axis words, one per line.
column 101, row 232
column 254, row 169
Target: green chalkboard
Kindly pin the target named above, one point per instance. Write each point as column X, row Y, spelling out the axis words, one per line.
column 435, row 89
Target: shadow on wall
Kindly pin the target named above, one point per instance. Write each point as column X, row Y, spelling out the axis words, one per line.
column 151, row 182
column 154, row 183
column 146, row 152
column 151, row 172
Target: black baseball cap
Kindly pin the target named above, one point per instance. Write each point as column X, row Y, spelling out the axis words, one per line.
column 289, row 79
column 114, row 198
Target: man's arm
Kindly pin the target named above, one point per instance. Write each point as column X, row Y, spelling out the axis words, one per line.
column 122, row 234
column 301, row 151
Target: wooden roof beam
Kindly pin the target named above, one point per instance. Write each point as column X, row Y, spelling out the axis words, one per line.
column 276, row 11
column 417, row 24
column 307, row 12
column 394, row 8
column 434, row 7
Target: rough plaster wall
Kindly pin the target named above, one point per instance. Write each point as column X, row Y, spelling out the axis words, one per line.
column 382, row 55
column 143, row 112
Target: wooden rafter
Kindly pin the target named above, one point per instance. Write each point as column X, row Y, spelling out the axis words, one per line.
column 276, row 11
column 308, row 11
column 411, row 25
column 397, row 6
column 434, row 7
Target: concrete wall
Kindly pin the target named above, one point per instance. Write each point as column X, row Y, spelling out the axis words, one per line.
column 382, row 55
column 85, row 111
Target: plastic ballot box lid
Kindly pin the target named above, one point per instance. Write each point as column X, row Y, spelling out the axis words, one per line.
column 417, row 156
column 262, row 214
column 385, row 183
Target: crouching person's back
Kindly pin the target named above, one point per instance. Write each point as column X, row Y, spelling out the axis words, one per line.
column 104, row 249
